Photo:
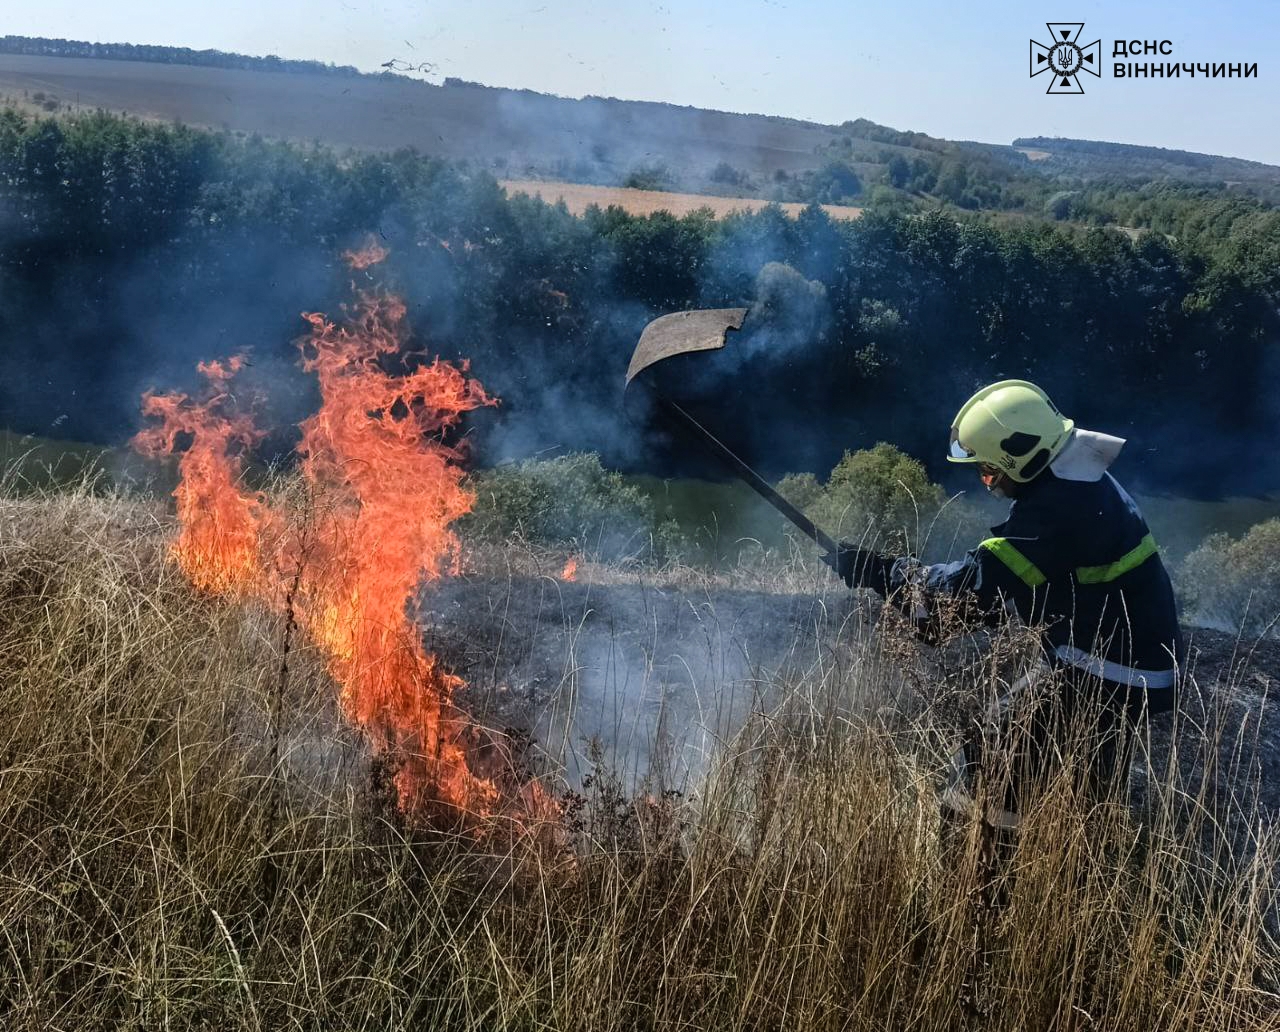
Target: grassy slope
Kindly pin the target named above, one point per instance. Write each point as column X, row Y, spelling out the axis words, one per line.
column 188, row 835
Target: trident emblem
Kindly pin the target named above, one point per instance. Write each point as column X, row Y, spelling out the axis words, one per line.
column 1065, row 58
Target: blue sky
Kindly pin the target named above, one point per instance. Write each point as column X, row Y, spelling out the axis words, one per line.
column 958, row 70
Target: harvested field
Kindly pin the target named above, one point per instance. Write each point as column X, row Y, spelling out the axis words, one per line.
column 579, row 197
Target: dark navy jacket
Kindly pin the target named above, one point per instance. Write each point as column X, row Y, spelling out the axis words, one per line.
column 1079, row 558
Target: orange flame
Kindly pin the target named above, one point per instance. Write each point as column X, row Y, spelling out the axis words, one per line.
column 370, row 254
column 570, row 571
column 384, row 488
column 217, row 546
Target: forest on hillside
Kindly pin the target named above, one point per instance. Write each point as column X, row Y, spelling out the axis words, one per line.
column 130, row 251
column 165, row 55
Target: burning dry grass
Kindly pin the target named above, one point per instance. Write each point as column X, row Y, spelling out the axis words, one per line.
column 189, row 837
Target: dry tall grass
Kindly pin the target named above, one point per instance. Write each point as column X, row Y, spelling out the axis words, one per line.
column 190, row 839
column 578, row 197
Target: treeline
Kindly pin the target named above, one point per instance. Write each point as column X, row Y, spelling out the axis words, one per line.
column 1104, row 180
column 1200, row 217
column 912, row 167
column 130, row 251
column 165, row 55
column 1131, row 153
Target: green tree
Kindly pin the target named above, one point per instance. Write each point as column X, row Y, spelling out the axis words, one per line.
column 836, row 183
column 879, row 497
column 953, row 182
column 898, row 172
column 726, row 175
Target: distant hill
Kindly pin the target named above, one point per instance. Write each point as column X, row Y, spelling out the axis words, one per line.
column 514, row 131
column 1096, row 158
column 521, row 134
column 41, row 47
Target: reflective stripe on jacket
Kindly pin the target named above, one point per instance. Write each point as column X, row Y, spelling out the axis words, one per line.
column 1079, row 558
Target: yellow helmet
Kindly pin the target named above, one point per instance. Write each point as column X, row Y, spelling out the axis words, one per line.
column 1011, row 425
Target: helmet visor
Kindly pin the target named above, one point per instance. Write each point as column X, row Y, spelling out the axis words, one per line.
column 958, row 451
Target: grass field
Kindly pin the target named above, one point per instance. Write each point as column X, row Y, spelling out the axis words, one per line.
column 578, row 197
column 191, row 837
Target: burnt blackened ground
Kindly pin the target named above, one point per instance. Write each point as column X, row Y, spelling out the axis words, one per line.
column 649, row 678
column 1225, row 739
column 643, row 677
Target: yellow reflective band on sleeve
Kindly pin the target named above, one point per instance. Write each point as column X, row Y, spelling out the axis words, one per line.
column 1132, row 559
column 1026, row 571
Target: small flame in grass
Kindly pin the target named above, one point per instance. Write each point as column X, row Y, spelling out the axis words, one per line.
column 384, row 487
column 372, row 253
column 217, row 546
column 570, row 571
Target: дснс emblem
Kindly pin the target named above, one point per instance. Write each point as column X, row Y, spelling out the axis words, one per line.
column 1065, row 58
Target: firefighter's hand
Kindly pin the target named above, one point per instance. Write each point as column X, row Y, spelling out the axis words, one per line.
column 859, row 567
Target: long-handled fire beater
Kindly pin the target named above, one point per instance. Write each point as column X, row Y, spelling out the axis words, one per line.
column 707, row 330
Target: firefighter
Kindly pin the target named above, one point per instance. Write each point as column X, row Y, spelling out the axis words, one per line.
column 1074, row 557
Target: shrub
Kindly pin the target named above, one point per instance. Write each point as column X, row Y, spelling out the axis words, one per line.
column 1236, row 581
column 727, row 175
column 1060, row 204
column 899, row 172
column 836, row 183
column 886, row 198
column 649, row 177
column 880, row 496
column 789, row 311
column 569, row 500
column 953, row 182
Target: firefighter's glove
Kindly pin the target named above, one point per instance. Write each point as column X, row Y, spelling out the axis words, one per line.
column 859, row 567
